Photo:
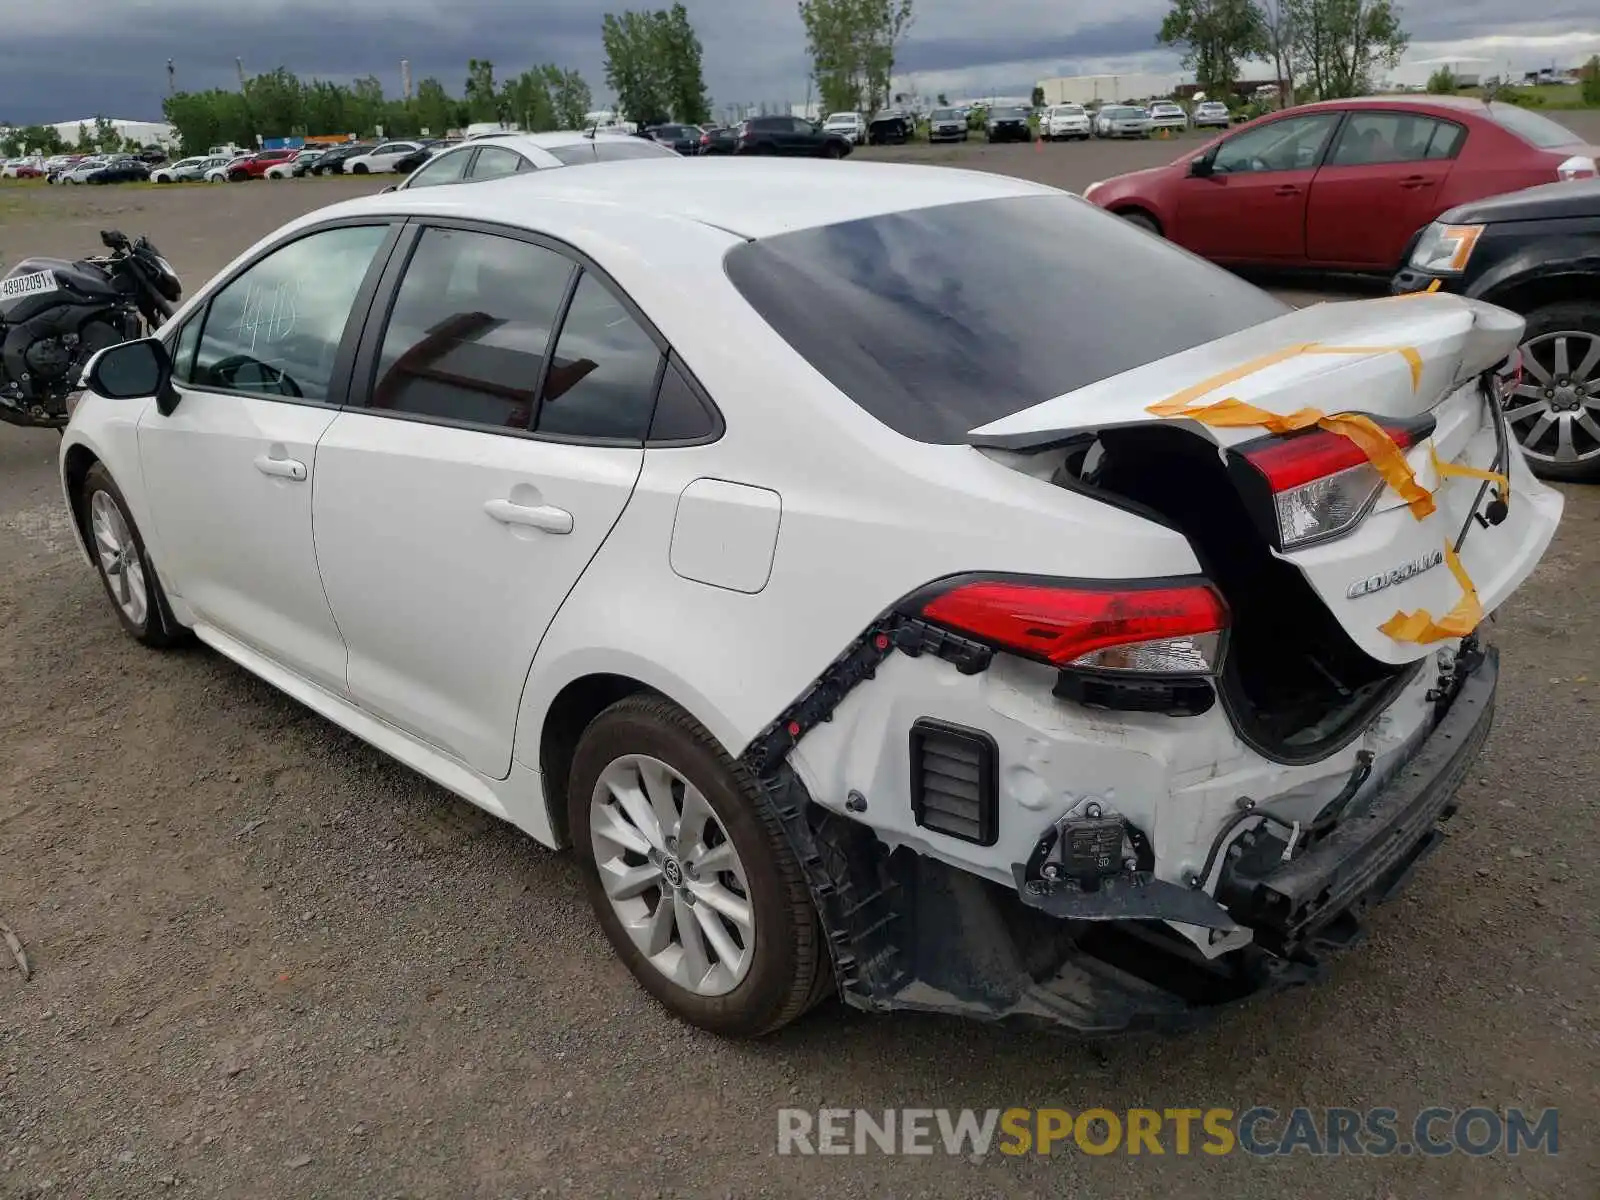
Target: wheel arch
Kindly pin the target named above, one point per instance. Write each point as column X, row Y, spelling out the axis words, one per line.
column 1134, row 208
column 76, row 462
column 559, row 704
column 1523, row 294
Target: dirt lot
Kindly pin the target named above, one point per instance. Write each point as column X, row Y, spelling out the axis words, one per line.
column 269, row 963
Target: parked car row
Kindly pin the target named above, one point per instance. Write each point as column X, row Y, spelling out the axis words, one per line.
column 100, row 168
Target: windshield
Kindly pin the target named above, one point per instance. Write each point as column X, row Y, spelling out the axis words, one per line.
column 943, row 114
column 929, row 319
column 842, row 119
column 1533, row 128
column 1004, row 114
column 1069, row 110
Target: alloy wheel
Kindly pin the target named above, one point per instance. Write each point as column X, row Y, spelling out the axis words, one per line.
column 672, row 875
column 119, row 558
column 1554, row 407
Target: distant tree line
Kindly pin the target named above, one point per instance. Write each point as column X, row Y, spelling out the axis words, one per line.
column 852, row 44
column 653, row 65
column 1321, row 49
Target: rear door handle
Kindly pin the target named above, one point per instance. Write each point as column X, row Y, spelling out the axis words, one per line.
column 1416, row 181
column 535, row 516
column 1286, row 189
column 281, row 468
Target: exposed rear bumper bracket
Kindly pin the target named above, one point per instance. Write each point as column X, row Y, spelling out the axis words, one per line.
column 1130, row 896
column 1371, row 852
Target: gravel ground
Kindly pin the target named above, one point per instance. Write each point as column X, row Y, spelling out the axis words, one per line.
column 267, row 962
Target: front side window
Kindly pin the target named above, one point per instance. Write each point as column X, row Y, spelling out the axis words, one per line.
column 447, row 168
column 275, row 330
column 1292, row 144
column 469, row 330
column 602, row 379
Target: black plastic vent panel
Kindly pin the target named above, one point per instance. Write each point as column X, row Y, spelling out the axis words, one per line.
column 955, row 781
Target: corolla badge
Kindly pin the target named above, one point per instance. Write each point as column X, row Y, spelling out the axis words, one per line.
column 1376, row 583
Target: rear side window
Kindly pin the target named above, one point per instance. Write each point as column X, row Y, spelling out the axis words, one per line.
column 1533, row 128
column 602, row 377
column 930, row 319
column 447, row 168
column 469, row 330
column 573, row 156
column 614, row 150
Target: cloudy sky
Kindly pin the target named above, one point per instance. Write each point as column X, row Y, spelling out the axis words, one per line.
column 67, row 59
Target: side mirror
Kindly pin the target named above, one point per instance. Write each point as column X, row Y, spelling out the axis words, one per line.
column 1200, row 167
column 133, row 370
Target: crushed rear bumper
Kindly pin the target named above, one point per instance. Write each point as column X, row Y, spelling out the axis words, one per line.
column 907, row 932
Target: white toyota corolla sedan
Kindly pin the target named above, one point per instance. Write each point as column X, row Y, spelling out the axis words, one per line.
column 741, row 526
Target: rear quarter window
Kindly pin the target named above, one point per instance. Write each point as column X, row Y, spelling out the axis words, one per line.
column 930, row 319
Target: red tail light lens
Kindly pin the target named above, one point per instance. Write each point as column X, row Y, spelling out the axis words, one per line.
column 1162, row 626
column 1321, row 483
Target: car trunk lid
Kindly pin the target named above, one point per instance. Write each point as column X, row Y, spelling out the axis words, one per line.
column 1419, row 360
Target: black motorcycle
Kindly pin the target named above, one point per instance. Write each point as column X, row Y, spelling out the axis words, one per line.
column 55, row 314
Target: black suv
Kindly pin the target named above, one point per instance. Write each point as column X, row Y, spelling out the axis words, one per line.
column 789, row 135
column 1536, row 252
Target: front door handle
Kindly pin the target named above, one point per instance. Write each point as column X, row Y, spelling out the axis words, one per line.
column 1287, row 189
column 535, row 516
column 281, row 468
column 1416, row 181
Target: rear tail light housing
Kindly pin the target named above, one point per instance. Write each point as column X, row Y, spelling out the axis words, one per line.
column 1160, row 627
column 1313, row 485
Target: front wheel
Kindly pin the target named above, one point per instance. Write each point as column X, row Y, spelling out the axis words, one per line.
column 123, row 564
column 1143, row 220
column 359, row 169
column 690, row 873
column 1554, row 409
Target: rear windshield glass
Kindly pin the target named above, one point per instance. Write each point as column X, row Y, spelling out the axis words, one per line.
column 1533, row 128
column 939, row 320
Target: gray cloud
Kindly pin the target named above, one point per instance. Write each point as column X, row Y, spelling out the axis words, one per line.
column 63, row 61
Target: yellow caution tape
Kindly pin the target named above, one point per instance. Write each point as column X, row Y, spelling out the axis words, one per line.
column 1427, row 291
column 1373, row 440
column 1502, row 482
column 1381, row 451
column 1421, row 628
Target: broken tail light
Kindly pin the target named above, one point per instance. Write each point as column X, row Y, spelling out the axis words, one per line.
column 1156, row 627
column 1317, row 484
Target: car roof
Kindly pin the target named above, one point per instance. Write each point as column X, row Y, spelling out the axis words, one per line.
column 538, row 141
column 1402, row 100
column 751, row 199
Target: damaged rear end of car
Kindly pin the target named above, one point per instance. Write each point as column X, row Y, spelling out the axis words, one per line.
column 1109, row 804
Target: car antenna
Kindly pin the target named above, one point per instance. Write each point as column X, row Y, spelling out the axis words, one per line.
column 589, row 132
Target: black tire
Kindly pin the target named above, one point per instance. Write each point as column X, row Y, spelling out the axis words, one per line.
column 790, row 970
column 159, row 629
column 1143, row 220
column 1578, row 316
column 359, row 169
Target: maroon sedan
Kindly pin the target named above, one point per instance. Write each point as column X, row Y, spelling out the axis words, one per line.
column 1344, row 184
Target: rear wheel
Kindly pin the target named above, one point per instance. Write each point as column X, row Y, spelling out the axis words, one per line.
column 123, row 564
column 1554, row 411
column 690, row 874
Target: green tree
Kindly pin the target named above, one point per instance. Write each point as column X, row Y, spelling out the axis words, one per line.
column 1589, row 81
column 1443, row 82
column 436, row 111
column 526, row 101
column 943, row 101
column 636, row 68
column 852, row 44
column 1340, row 44
column 569, row 96
column 1037, row 99
column 277, row 103
column 679, row 46
column 37, row 139
column 367, row 107
column 1278, row 43
column 104, row 136
column 1215, row 36
column 483, row 101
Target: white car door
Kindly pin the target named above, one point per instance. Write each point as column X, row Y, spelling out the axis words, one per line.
column 229, row 472
column 458, row 508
